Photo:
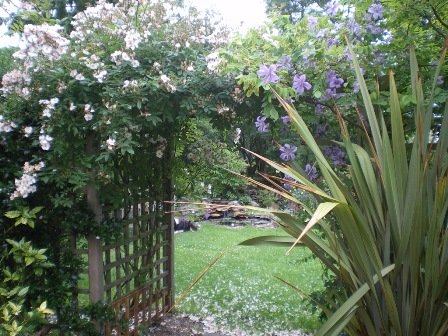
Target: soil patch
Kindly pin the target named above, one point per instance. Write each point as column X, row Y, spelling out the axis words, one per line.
column 190, row 325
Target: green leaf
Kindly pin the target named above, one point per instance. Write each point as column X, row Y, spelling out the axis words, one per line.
column 322, row 210
column 23, row 291
column 283, row 241
column 342, row 316
column 13, row 214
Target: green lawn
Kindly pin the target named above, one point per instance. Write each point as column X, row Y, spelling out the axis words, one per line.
column 240, row 290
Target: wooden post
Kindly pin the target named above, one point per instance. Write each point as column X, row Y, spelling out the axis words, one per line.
column 95, row 253
column 169, row 220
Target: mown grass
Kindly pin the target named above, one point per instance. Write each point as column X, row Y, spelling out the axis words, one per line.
column 240, row 290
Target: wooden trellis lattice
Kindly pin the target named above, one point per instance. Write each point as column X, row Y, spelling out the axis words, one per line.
column 137, row 270
column 133, row 272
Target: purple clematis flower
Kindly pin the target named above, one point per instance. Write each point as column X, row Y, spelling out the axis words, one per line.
column 288, row 152
column 288, row 186
column 284, row 62
column 331, row 41
column 439, row 80
column 319, row 110
column 311, row 172
column 267, row 74
column 320, row 130
column 336, row 154
column 353, row 27
column 333, row 81
column 261, row 124
column 372, row 29
column 332, row 8
column 285, row 119
column 312, row 22
column 300, row 84
column 376, row 10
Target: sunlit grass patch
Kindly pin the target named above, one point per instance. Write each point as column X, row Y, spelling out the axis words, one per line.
column 240, row 290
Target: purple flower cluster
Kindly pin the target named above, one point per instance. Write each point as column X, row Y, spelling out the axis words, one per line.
column 331, row 41
column 288, row 186
column 300, row 84
column 311, row 172
column 261, row 124
column 332, row 8
column 319, row 110
column 336, row 154
column 284, row 62
column 285, row 119
column 376, row 11
column 353, row 27
column 288, row 152
column 373, row 15
column 267, row 74
column 312, row 22
column 373, row 29
column 320, row 130
column 334, row 82
column 308, row 61
column 379, row 58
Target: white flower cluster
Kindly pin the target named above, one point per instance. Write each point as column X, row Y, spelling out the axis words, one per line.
column 88, row 112
column 49, row 106
column 121, row 56
column 6, row 126
column 157, row 66
column 130, row 84
column 100, row 75
column 42, row 40
column 27, row 131
column 132, row 39
column 27, row 183
column 45, row 141
column 93, row 18
column 161, row 145
column 237, row 135
column 16, row 82
column 213, row 62
column 111, row 143
column 92, row 62
column 166, row 83
column 77, row 75
column 222, row 109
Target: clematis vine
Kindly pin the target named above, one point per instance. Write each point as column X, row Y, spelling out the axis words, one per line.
column 261, row 124
column 311, row 172
column 376, row 10
column 288, row 152
column 300, row 84
column 267, row 74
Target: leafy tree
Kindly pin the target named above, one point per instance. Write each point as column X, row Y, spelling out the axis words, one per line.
column 294, row 8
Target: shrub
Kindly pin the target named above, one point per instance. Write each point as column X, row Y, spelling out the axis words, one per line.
column 387, row 246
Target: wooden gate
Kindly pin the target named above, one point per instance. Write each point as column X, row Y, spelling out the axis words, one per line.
column 132, row 272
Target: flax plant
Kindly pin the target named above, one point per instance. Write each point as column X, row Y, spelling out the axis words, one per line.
column 389, row 246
